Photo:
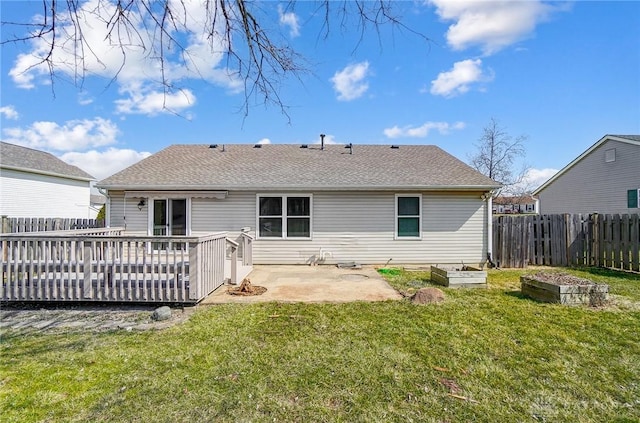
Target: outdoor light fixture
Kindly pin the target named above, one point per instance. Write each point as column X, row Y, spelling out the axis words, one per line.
column 141, row 204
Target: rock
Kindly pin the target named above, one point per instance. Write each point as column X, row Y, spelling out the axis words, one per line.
column 428, row 296
column 161, row 313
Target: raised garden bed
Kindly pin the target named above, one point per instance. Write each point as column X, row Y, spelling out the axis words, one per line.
column 563, row 289
column 461, row 277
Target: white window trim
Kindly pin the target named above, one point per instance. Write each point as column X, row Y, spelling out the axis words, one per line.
column 284, row 217
column 395, row 232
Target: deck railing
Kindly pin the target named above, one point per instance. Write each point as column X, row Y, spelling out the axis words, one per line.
column 106, row 265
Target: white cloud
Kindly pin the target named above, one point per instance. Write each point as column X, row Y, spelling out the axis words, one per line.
column 422, row 131
column 156, row 102
column 9, row 112
column 264, row 141
column 136, row 65
column 536, row 177
column 102, row 164
column 72, row 135
column 492, row 25
column 349, row 83
column 459, row 78
column 290, row 20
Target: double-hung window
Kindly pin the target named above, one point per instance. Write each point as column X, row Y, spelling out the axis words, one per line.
column 284, row 216
column 408, row 216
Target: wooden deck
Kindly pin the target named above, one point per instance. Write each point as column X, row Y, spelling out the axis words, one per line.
column 108, row 266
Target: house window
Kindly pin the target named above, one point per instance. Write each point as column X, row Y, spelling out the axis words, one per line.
column 284, row 216
column 633, row 198
column 610, row 155
column 408, row 216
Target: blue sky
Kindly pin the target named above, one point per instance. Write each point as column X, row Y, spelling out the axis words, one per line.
column 564, row 74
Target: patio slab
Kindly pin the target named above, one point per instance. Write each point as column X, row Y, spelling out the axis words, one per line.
column 299, row 283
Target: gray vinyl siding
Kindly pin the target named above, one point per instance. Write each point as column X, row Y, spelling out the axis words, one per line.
column 359, row 227
column 593, row 185
column 125, row 212
column 116, row 209
column 350, row 226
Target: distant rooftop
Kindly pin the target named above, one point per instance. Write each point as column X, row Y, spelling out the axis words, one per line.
column 27, row 159
column 299, row 167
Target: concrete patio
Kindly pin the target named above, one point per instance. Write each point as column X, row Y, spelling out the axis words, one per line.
column 291, row 283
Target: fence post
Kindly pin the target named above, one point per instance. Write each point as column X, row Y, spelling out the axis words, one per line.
column 6, row 225
column 594, row 240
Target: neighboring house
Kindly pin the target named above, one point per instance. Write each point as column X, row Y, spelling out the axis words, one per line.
column 515, row 204
column 604, row 179
column 97, row 201
column 307, row 203
column 38, row 184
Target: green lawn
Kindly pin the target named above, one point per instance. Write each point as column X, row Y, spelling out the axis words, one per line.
column 482, row 355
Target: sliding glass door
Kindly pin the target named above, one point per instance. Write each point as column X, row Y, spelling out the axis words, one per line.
column 169, row 218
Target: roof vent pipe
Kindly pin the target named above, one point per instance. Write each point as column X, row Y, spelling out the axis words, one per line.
column 350, row 147
column 321, row 141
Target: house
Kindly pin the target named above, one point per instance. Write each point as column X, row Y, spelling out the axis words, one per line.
column 312, row 203
column 604, row 179
column 515, row 204
column 37, row 184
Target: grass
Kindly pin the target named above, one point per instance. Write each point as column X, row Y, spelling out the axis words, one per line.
column 482, row 355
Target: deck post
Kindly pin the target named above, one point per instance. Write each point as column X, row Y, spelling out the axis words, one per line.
column 234, row 264
column 194, row 268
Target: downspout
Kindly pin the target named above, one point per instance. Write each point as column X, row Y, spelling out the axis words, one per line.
column 107, row 209
column 489, row 196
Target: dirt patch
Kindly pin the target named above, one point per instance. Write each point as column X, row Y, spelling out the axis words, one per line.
column 557, row 278
column 247, row 289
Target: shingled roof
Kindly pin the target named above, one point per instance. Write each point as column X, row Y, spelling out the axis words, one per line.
column 294, row 167
column 26, row 159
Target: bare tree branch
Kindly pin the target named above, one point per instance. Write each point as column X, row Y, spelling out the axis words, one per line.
column 260, row 57
column 496, row 157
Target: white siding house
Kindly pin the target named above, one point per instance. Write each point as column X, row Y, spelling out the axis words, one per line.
column 604, row 179
column 368, row 204
column 37, row 184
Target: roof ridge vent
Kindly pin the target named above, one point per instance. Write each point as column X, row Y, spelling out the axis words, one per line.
column 395, row 147
column 257, row 146
column 304, row 146
column 213, row 145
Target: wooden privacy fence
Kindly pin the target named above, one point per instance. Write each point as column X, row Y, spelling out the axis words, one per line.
column 12, row 225
column 568, row 240
column 105, row 265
